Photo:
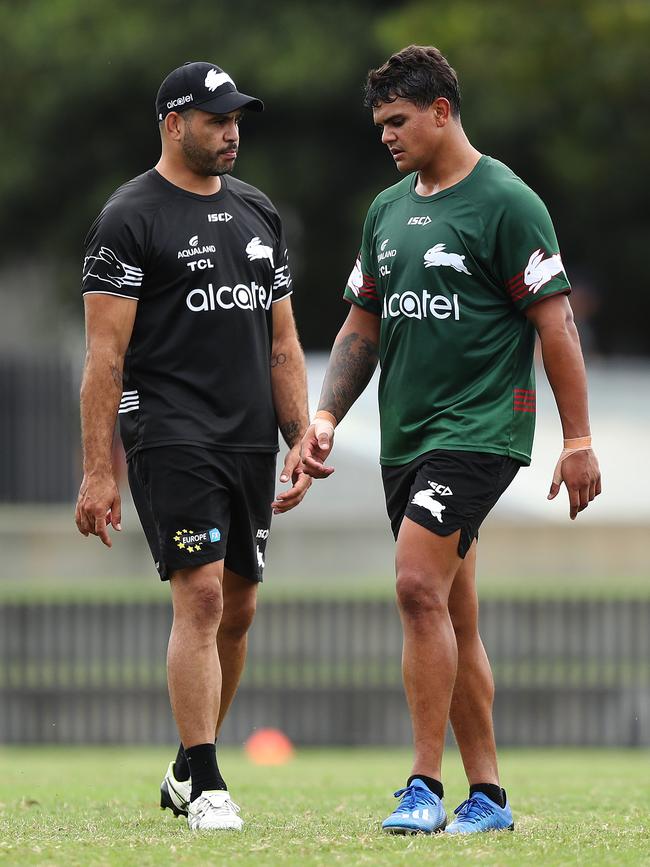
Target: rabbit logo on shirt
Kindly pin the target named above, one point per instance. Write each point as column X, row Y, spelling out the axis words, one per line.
column 540, row 270
column 108, row 268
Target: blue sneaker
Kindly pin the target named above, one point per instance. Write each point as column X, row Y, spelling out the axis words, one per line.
column 419, row 811
column 479, row 813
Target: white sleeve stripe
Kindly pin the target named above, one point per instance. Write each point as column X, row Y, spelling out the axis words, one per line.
column 283, row 297
column 282, row 281
column 99, row 292
column 125, row 393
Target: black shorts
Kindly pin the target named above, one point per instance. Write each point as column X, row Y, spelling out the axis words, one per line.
column 199, row 505
column 446, row 491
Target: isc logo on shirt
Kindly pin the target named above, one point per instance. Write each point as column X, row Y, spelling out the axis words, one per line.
column 222, row 217
column 418, row 221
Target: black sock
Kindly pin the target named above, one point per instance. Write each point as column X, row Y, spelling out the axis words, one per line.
column 181, row 768
column 434, row 786
column 493, row 792
column 202, row 760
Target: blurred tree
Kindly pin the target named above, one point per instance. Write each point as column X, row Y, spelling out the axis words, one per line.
column 88, row 73
column 559, row 91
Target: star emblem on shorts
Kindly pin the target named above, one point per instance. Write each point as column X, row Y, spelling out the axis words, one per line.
column 178, row 537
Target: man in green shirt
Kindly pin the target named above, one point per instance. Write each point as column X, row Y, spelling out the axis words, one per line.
column 459, row 267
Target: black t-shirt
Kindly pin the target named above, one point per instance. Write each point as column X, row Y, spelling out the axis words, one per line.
column 205, row 271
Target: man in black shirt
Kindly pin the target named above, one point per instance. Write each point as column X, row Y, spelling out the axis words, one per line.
column 191, row 341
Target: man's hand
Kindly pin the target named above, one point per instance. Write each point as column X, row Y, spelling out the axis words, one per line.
column 98, row 507
column 315, row 447
column 581, row 474
column 301, row 482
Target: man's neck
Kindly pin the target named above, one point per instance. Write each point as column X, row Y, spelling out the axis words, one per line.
column 453, row 161
column 180, row 176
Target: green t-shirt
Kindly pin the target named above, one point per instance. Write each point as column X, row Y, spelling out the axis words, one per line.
column 451, row 276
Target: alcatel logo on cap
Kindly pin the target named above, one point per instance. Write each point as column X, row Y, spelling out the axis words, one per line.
column 174, row 103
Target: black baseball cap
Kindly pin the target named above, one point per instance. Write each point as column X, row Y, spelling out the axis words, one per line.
column 201, row 85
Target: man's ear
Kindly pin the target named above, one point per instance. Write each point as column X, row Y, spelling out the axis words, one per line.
column 441, row 111
column 172, row 125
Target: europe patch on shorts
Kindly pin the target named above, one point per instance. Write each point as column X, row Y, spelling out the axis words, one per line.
column 198, row 506
column 446, row 491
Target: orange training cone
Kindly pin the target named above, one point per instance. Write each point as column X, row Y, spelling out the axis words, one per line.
column 269, row 747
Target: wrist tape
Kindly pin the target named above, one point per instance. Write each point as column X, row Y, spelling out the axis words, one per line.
column 575, row 444
column 323, row 415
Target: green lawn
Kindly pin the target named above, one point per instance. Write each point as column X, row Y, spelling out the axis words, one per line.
column 79, row 806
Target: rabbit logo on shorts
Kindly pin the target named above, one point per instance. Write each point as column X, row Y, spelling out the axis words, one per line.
column 108, row 268
column 426, row 501
column 260, row 558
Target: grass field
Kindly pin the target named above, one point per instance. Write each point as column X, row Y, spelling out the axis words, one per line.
column 148, row 588
column 79, row 806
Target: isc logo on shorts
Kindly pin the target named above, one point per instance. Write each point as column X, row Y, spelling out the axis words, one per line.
column 262, row 534
column 443, row 490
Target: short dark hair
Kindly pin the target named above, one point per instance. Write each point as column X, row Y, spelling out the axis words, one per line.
column 418, row 73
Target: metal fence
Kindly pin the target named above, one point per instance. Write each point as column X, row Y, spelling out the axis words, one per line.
column 39, row 430
column 567, row 672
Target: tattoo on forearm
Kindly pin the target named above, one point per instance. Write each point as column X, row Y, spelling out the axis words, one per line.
column 116, row 373
column 291, row 431
column 280, row 358
column 350, row 369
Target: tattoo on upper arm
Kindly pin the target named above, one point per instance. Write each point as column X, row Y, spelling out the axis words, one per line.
column 280, row 358
column 291, row 431
column 116, row 373
column 349, row 371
